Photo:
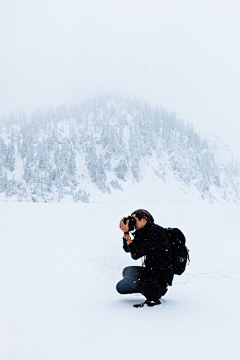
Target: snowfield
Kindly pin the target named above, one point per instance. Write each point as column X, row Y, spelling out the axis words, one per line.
column 59, row 264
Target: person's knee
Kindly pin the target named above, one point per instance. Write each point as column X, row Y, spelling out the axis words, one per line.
column 123, row 287
column 119, row 287
column 125, row 271
column 129, row 271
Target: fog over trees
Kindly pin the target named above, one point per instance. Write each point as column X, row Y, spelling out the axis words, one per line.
column 106, row 142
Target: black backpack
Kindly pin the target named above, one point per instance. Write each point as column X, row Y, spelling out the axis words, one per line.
column 180, row 253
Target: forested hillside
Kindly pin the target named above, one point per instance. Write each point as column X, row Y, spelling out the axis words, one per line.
column 104, row 144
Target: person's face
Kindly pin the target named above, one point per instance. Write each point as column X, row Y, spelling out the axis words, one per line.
column 139, row 223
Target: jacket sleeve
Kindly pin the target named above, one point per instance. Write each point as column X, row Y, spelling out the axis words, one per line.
column 152, row 243
column 125, row 245
column 139, row 248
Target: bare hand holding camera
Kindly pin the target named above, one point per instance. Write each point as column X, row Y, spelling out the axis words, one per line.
column 124, row 225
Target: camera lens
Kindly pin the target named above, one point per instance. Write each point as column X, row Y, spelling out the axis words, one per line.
column 131, row 223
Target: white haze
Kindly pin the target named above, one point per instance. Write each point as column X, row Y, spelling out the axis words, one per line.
column 183, row 55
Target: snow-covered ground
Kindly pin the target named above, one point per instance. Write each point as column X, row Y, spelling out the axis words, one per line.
column 59, row 264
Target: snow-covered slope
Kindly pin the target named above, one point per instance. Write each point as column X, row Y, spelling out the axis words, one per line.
column 112, row 150
column 58, row 268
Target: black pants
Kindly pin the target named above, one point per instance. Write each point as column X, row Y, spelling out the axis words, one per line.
column 137, row 279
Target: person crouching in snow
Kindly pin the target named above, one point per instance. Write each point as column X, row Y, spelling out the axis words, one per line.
column 149, row 241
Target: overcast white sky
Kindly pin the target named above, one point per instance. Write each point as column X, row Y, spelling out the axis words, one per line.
column 181, row 54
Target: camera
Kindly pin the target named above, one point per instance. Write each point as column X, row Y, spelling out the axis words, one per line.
column 131, row 224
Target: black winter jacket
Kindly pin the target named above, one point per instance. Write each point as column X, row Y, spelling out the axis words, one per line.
column 152, row 242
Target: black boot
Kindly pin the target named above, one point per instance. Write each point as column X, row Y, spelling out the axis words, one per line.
column 147, row 302
column 162, row 292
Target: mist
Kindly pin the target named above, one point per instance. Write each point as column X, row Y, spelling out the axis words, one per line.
column 181, row 55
